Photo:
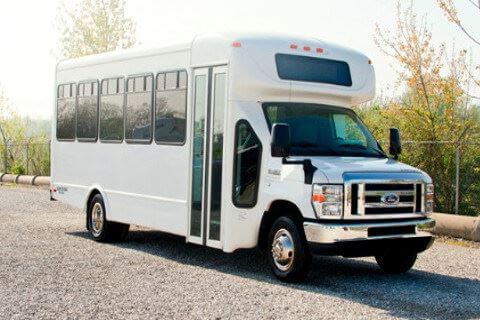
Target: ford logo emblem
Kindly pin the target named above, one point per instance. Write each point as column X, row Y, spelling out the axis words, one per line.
column 390, row 198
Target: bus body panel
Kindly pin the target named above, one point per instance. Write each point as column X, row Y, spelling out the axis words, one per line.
column 144, row 184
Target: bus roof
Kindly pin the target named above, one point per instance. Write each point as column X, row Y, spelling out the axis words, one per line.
column 252, row 61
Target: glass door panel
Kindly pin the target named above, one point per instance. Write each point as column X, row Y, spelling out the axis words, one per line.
column 216, row 139
column 209, row 104
column 198, row 155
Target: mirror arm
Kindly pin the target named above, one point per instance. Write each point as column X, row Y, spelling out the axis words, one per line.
column 308, row 168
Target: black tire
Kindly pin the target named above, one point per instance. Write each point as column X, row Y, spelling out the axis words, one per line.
column 299, row 266
column 107, row 231
column 396, row 262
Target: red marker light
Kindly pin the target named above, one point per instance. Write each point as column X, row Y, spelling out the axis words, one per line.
column 319, row 50
column 236, row 44
column 306, row 48
column 293, row 46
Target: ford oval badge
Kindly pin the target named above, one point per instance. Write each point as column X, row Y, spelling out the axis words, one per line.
column 390, row 198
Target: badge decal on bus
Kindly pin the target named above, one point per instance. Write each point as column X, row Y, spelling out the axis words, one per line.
column 390, row 198
column 62, row 189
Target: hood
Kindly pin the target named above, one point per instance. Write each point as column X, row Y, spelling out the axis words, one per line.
column 333, row 168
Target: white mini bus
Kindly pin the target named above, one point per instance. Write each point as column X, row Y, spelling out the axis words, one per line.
column 237, row 142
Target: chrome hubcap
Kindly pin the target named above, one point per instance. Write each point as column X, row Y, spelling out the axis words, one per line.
column 283, row 250
column 97, row 219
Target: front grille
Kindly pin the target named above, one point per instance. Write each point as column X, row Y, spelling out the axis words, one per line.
column 388, row 186
column 385, row 198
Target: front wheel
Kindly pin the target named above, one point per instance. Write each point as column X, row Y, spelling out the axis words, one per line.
column 396, row 262
column 288, row 253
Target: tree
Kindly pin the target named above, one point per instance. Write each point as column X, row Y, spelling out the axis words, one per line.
column 434, row 106
column 451, row 12
column 94, row 26
column 11, row 129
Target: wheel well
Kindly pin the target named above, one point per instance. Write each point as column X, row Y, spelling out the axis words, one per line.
column 277, row 209
column 92, row 194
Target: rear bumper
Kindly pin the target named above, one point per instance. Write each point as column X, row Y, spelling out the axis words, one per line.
column 358, row 239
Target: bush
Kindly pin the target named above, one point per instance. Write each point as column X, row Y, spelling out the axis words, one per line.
column 18, row 168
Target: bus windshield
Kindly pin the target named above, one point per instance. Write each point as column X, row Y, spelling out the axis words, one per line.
column 321, row 130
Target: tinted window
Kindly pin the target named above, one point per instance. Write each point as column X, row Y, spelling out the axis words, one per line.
column 87, row 111
column 182, row 79
column 321, row 130
column 171, row 80
column 161, row 81
column 66, row 112
column 248, row 151
column 138, row 112
column 111, row 110
column 302, row 68
column 170, row 113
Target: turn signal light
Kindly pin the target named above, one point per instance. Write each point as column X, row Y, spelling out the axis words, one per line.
column 318, row 198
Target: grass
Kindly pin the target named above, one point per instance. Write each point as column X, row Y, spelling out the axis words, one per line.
column 458, row 242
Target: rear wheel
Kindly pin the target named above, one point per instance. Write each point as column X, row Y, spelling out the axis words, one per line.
column 100, row 228
column 396, row 262
column 287, row 252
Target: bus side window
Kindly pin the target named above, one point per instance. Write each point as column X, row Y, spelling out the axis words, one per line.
column 111, row 110
column 138, row 111
column 66, row 111
column 246, row 171
column 171, row 107
column 87, row 111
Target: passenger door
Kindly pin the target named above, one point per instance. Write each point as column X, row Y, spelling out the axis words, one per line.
column 207, row 167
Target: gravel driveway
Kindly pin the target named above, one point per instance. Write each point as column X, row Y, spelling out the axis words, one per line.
column 49, row 268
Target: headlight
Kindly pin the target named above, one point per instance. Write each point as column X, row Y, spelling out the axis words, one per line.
column 429, row 192
column 327, row 200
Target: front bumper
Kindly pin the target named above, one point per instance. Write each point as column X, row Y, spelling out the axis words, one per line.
column 358, row 239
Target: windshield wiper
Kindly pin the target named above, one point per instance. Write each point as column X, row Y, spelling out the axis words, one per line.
column 379, row 152
column 348, row 145
column 314, row 149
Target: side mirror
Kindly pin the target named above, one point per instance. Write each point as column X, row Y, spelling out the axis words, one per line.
column 395, row 143
column 280, row 145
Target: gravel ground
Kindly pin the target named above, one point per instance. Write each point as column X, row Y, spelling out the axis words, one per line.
column 50, row 269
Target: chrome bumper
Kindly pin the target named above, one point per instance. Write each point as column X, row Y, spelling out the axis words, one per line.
column 343, row 232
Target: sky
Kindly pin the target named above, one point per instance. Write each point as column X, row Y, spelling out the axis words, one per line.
column 29, row 38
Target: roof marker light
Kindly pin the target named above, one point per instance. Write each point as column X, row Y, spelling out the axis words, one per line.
column 319, row 50
column 293, row 46
column 237, row 44
column 369, row 61
column 306, row 48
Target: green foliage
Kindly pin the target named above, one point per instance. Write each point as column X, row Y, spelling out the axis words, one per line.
column 18, row 168
column 94, row 26
column 437, row 157
column 24, row 145
column 434, row 109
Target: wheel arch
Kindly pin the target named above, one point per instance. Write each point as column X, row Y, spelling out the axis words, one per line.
column 92, row 191
column 277, row 208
